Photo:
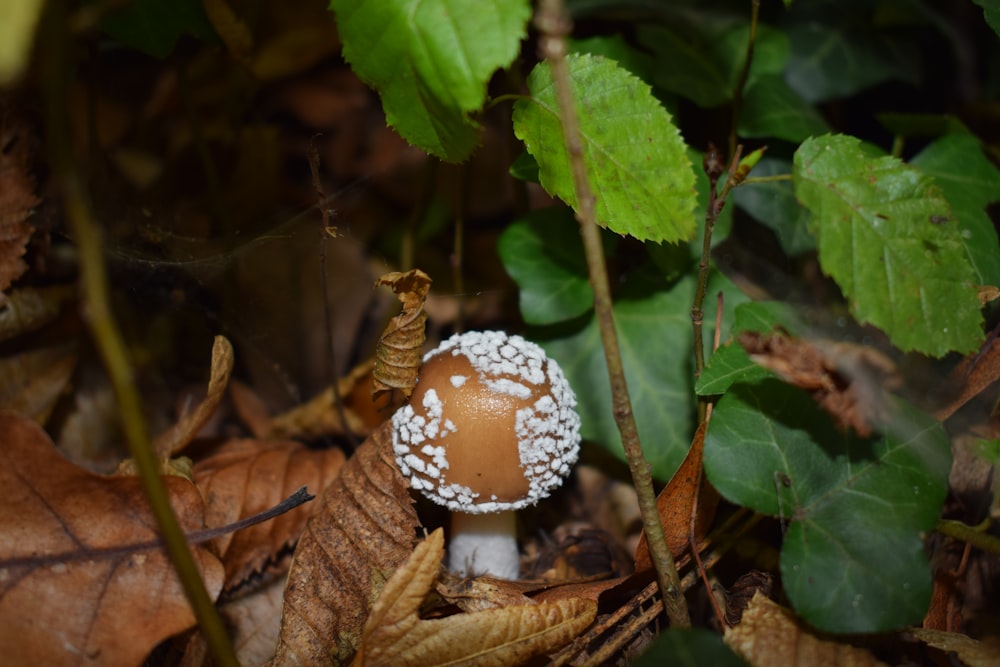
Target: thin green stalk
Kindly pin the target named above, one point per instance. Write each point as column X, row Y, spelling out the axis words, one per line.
column 108, row 339
column 553, row 23
column 974, row 535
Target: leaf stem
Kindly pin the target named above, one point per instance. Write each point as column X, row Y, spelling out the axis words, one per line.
column 974, row 535
column 775, row 178
column 108, row 339
column 554, row 24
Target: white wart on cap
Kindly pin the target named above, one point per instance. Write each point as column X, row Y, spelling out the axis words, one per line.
column 490, row 427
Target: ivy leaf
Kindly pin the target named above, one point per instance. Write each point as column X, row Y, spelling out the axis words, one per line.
column 543, row 253
column 430, row 60
column 634, row 155
column 970, row 182
column 887, row 237
column 688, row 646
column 852, row 560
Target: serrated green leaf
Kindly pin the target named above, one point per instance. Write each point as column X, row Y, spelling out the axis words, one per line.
column 991, row 12
column 635, row 157
column 774, row 205
column 154, row 26
column 524, row 168
column 654, row 330
column 852, row 560
column 772, row 109
column 544, row 255
column 970, row 182
column 430, row 60
column 838, row 50
column 887, row 237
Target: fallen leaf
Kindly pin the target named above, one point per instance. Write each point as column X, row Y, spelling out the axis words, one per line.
column 395, row 635
column 397, row 357
column 770, row 635
column 29, row 308
column 846, row 380
column 973, row 374
column 971, row 652
column 17, row 196
column 364, row 528
column 74, row 587
column 32, row 381
column 181, row 433
column 687, row 494
column 246, row 477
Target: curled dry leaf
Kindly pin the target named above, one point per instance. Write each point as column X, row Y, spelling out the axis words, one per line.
column 395, row 635
column 971, row 652
column 246, row 477
column 397, row 357
column 181, row 433
column 687, row 495
column 17, row 196
column 972, row 375
column 769, row 635
column 364, row 527
column 75, row 589
column 845, row 380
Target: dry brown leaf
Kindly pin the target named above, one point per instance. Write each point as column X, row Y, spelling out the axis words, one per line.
column 181, row 433
column 397, row 357
column 770, row 635
column 987, row 294
column 687, row 493
column 974, row 374
column 17, row 197
column 74, row 590
column 845, row 380
column 246, row 477
column 395, row 635
column 255, row 620
column 29, row 308
column 32, row 382
column 364, row 528
column 971, row 652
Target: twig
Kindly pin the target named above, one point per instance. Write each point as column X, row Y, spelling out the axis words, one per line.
column 107, row 337
column 553, row 23
column 741, row 82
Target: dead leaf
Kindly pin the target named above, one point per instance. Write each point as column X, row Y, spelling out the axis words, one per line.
column 845, row 380
column 974, row 374
column 31, row 382
column 255, row 620
column 181, row 433
column 17, row 196
column 988, row 294
column 397, row 357
column 29, row 308
column 246, row 477
column 395, row 635
column 971, row 652
column 687, row 493
column 771, row 635
column 365, row 527
column 73, row 591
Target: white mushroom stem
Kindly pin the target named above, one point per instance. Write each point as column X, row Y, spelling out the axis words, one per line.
column 484, row 544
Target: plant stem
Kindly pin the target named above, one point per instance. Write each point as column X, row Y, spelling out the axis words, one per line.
column 107, row 337
column 741, row 82
column 766, row 179
column 974, row 535
column 554, row 24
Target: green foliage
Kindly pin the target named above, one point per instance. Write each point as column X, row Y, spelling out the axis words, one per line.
column 773, row 204
column 887, row 236
column 991, row 12
column 635, row 158
column 852, row 559
column 154, row 26
column 688, row 647
column 430, row 61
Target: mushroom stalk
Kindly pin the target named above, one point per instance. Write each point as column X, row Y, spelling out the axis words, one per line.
column 484, row 544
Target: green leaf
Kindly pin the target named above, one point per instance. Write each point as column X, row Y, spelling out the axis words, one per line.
column 991, row 12
column 774, row 205
column 838, row 50
column 654, row 330
column 772, row 109
column 154, row 26
column 544, row 255
column 688, row 647
column 430, row 61
column 922, row 124
column 525, row 168
column 634, row 155
column 852, row 560
column 970, row 182
column 887, row 237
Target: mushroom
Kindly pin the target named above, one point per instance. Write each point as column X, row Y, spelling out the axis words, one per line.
column 490, row 428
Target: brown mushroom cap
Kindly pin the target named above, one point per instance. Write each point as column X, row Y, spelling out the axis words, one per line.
column 491, row 425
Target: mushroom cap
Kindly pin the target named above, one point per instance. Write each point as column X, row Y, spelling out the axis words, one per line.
column 490, row 427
